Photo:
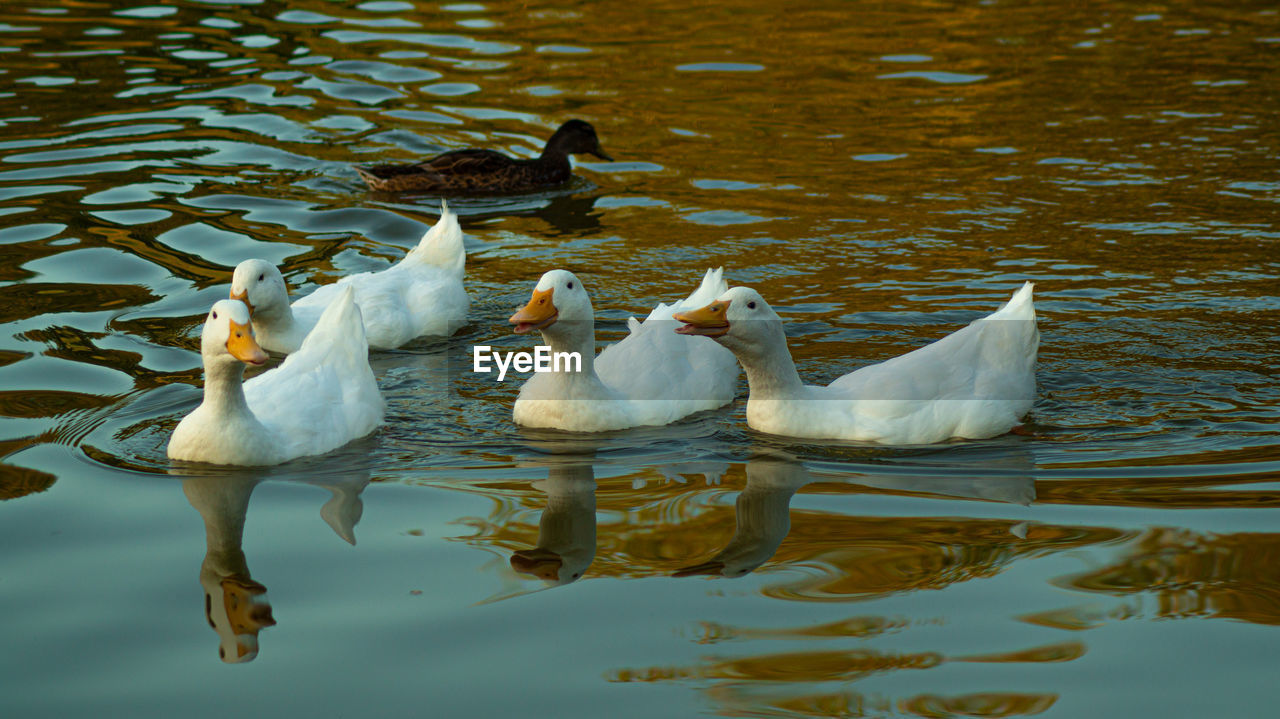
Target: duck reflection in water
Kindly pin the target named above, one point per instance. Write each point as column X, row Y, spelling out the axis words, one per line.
column 567, row 530
column 763, row 509
column 763, row 515
column 566, row 543
column 236, row 605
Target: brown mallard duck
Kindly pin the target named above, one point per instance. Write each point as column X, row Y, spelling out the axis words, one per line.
column 486, row 171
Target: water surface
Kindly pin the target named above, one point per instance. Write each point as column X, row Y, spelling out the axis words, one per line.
column 882, row 174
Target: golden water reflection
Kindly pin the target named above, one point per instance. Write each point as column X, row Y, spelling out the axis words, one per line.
column 1193, row 574
column 731, row 523
column 16, row 481
column 738, row 682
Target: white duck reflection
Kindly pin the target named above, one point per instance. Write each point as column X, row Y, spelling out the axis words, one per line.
column 567, row 530
column 763, row 509
column 763, row 514
column 236, row 605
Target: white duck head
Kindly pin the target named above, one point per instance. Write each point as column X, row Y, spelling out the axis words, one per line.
column 561, row 310
column 227, row 338
column 740, row 320
column 737, row 319
column 258, row 284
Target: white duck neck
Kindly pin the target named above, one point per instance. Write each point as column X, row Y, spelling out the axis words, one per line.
column 276, row 321
column 771, row 373
column 574, row 336
column 223, row 389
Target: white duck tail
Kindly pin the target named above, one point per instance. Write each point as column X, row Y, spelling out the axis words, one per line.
column 1019, row 306
column 341, row 317
column 442, row 244
column 713, row 285
column 341, row 324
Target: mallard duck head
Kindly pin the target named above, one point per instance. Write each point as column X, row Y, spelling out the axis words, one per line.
column 577, row 136
column 227, row 334
column 258, row 284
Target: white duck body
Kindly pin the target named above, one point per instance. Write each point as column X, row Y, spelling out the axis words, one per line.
column 321, row 397
column 420, row 295
column 651, row 377
column 975, row 383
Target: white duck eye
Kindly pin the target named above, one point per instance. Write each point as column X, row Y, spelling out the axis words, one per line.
column 215, row 314
column 262, row 276
column 751, row 305
column 570, row 285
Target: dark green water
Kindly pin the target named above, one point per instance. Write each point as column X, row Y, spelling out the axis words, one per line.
column 883, row 173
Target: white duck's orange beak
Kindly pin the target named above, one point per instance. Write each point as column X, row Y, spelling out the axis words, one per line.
column 243, row 296
column 707, row 321
column 540, row 312
column 243, row 346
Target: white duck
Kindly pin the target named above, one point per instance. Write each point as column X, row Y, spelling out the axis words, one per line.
column 976, row 382
column 651, row 377
column 321, row 397
column 420, row 295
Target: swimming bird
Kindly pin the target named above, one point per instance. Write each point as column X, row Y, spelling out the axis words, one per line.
column 420, row 295
column 651, row 377
column 975, row 383
column 321, row 397
column 475, row 171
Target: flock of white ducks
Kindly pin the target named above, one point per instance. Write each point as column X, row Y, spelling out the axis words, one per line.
column 975, row 383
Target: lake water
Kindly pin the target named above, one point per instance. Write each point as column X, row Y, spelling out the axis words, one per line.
column 882, row 173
